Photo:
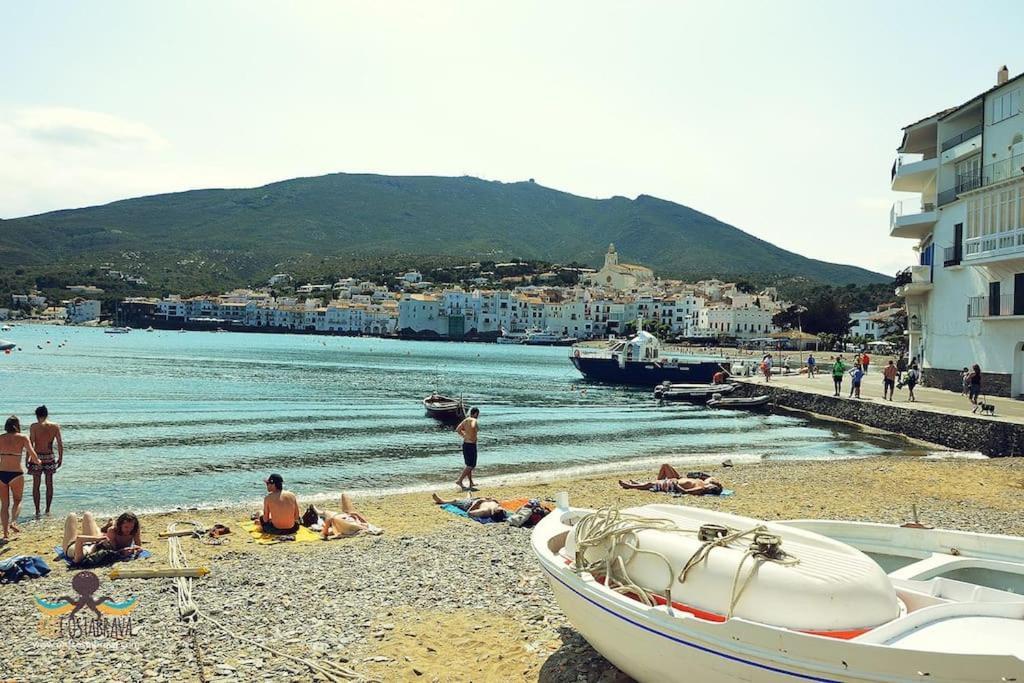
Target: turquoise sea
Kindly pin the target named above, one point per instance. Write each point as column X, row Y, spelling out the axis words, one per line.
column 158, row 420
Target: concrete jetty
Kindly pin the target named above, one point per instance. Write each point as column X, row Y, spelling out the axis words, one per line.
column 941, row 417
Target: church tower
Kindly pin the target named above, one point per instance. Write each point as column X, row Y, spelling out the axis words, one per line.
column 612, row 257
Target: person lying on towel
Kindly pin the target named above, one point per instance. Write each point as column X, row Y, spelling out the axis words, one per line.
column 670, row 481
column 348, row 522
column 280, row 508
column 93, row 545
column 475, row 507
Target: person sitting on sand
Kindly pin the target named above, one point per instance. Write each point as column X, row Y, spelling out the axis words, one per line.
column 280, row 508
column 670, row 481
column 123, row 537
column 348, row 522
column 475, row 507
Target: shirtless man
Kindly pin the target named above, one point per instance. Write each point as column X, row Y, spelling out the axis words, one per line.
column 475, row 507
column 43, row 434
column 348, row 522
column 670, row 481
column 468, row 429
column 280, row 508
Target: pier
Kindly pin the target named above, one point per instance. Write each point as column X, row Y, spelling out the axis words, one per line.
column 940, row 417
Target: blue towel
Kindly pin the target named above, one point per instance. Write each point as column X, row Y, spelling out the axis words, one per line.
column 59, row 552
column 448, row 507
column 725, row 492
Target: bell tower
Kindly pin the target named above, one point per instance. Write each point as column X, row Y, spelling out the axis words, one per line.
column 612, row 257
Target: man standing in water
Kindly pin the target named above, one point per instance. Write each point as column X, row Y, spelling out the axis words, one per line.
column 467, row 429
column 43, row 434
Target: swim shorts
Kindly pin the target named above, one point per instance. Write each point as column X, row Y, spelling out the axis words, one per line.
column 44, row 466
column 469, row 453
column 269, row 528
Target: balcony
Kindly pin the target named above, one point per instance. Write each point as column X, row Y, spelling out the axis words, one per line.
column 964, row 183
column 999, row 247
column 914, row 281
column 909, row 175
column 968, row 137
column 998, row 171
column 911, row 218
column 994, row 307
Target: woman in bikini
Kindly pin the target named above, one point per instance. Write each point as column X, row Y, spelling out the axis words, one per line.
column 670, row 481
column 123, row 536
column 348, row 522
column 13, row 446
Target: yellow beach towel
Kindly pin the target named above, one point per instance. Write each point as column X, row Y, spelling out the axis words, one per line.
column 303, row 535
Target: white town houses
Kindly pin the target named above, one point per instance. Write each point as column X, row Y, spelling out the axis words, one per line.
column 965, row 296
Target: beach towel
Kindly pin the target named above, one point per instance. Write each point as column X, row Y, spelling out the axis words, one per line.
column 448, row 507
column 14, row 569
column 59, row 552
column 303, row 535
column 725, row 492
column 372, row 529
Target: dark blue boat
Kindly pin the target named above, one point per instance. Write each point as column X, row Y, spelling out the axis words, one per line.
column 639, row 361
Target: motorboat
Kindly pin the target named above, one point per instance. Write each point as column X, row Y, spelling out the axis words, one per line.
column 674, row 593
column 546, row 338
column 666, row 391
column 117, row 330
column 511, row 337
column 641, row 361
column 7, row 345
column 738, row 402
column 444, row 408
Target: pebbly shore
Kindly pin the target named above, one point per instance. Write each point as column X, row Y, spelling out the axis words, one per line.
column 437, row 597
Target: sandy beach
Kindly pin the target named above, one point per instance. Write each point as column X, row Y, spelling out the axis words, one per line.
column 437, row 597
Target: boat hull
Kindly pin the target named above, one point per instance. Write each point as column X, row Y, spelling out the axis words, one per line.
column 646, row 373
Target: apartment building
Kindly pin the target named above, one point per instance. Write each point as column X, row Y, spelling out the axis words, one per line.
column 965, row 293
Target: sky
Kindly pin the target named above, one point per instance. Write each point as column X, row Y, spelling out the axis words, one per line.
column 781, row 118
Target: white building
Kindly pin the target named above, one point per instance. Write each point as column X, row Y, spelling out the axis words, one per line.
column 78, row 311
column 620, row 276
column 965, row 294
column 863, row 325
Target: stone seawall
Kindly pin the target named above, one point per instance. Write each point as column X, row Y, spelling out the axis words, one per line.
column 959, row 432
column 992, row 383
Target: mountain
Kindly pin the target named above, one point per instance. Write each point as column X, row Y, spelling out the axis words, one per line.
column 251, row 232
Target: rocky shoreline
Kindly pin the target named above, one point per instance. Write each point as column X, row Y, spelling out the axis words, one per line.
column 437, row 597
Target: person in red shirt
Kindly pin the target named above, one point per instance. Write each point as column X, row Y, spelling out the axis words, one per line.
column 864, row 360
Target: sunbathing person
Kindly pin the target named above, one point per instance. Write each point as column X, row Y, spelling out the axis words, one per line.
column 348, row 522
column 670, row 481
column 280, row 508
column 475, row 507
column 123, row 537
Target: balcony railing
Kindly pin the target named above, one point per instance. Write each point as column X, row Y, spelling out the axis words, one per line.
column 995, row 244
column 964, row 183
column 1005, row 169
column 908, row 207
column 951, row 256
column 993, row 307
column 962, row 137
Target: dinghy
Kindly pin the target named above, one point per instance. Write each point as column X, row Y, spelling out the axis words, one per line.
column 690, row 392
column 738, row 402
column 444, row 408
column 672, row 593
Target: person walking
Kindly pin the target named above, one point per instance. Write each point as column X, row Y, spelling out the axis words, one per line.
column 965, row 381
column 766, row 367
column 838, row 370
column 864, row 360
column 888, row 381
column 14, row 446
column 44, row 434
column 913, row 375
column 468, row 429
column 974, row 381
column 812, row 365
column 901, row 367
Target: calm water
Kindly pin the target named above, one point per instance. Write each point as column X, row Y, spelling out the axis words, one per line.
column 165, row 419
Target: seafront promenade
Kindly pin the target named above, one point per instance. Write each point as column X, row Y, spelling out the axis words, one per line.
column 937, row 416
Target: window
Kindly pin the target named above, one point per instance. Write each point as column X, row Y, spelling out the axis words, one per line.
column 1005, row 106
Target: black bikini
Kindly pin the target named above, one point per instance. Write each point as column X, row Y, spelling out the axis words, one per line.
column 7, row 477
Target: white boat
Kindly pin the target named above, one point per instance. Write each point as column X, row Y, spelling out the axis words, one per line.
column 690, row 392
column 7, row 345
column 801, row 600
column 6, row 328
column 738, row 402
column 511, row 337
column 117, row 330
column 548, row 338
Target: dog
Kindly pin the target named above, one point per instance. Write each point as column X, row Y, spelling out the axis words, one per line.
column 986, row 408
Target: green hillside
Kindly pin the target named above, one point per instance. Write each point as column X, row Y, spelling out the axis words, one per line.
column 243, row 234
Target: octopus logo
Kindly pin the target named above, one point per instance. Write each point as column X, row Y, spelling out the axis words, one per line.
column 85, row 614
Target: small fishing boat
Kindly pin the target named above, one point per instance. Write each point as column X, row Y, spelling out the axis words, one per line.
column 118, row 330
column 671, row 593
column 738, row 402
column 690, row 392
column 444, row 408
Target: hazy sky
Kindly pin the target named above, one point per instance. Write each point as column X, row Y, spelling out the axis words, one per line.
column 781, row 118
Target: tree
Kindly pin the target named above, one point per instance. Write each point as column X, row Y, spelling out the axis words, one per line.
column 789, row 319
column 659, row 329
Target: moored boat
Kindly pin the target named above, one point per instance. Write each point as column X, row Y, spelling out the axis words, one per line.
column 666, row 391
column 118, row 330
column 738, row 402
column 444, row 408
column 6, row 345
column 672, row 593
column 640, row 361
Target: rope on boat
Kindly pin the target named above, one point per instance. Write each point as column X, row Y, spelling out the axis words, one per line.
column 189, row 612
column 619, row 530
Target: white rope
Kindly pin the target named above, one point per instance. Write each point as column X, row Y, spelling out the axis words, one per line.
column 619, row 531
column 190, row 613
